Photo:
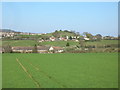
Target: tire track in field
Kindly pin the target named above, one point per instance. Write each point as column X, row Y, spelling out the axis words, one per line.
column 48, row 76
column 26, row 71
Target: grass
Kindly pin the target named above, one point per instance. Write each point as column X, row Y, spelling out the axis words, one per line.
column 60, row 43
column 32, row 43
column 55, row 43
column 19, row 42
column 84, row 70
column 103, row 42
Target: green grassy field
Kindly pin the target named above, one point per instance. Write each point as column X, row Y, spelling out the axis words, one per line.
column 84, row 70
column 56, row 43
column 60, row 43
column 103, row 42
column 19, row 42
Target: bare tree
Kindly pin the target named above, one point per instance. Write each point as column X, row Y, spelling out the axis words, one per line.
column 35, row 49
column 7, row 49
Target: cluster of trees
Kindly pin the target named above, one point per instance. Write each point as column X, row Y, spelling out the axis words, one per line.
column 59, row 33
column 92, row 48
column 97, row 37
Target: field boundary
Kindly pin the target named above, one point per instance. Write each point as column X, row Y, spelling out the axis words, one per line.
column 26, row 71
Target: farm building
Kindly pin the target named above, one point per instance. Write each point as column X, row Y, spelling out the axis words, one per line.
column 22, row 49
column 40, row 49
column 56, row 49
column 43, row 49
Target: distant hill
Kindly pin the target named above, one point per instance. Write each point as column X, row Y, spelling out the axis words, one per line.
column 61, row 33
column 57, row 33
column 6, row 30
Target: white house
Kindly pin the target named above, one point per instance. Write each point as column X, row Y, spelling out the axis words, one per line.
column 52, row 38
column 85, row 38
column 56, row 49
column 51, row 49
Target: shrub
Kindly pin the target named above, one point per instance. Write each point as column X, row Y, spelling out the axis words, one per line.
column 67, row 44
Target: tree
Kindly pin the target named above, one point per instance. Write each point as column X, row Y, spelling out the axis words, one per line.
column 56, row 34
column 73, row 32
column 7, row 49
column 56, row 30
column 67, row 44
column 35, row 49
column 88, row 35
column 98, row 36
column 45, row 37
column 70, row 37
column 66, row 31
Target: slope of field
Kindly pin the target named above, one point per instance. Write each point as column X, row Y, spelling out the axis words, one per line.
column 55, row 43
column 19, row 42
column 103, row 42
column 85, row 70
column 60, row 43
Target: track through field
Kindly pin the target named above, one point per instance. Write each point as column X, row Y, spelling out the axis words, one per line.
column 38, row 70
column 48, row 76
column 26, row 71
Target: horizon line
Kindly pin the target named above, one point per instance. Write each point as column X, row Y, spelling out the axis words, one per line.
column 59, row 30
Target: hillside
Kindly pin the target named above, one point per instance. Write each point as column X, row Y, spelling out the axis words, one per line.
column 47, row 35
column 6, row 30
column 60, row 33
column 64, row 33
column 55, row 43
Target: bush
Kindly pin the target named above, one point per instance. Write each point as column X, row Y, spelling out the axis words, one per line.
column 67, row 44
